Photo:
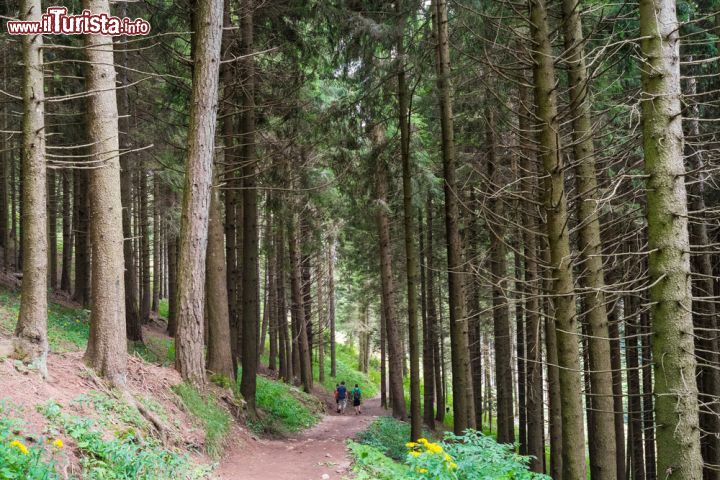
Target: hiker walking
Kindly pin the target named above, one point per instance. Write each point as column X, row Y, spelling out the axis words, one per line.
column 342, row 398
column 357, row 399
column 337, row 400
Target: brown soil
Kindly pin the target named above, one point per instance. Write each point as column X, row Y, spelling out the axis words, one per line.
column 308, row 455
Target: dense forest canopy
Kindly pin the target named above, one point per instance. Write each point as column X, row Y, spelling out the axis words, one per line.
column 509, row 207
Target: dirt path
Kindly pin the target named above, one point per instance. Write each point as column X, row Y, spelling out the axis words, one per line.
column 307, row 456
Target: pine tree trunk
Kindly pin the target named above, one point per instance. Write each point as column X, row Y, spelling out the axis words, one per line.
column 67, row 235
column 647, row 399
column 635, row 434
column 618, row 407
column 82, row 247
column 331, row 306
column 533, row 327
column 676, row 395
column 196, row 202
column 434, row 325
column 573, row 430
column 132, row 305
column 461, row 386
column 411, row 254
column 52, row 229
column 30, row 341
column 219, row 356
column 427, row 351
column 143, row 200
column 704, row 320
column 520, row 342
column 553, row 374
column 392, row 334
column 107, row 349
column 172, row 247
column 306, row 288
column 501, row 310
column 285, row 342
column 602, row 436
column 272, row 300
column 250, row 284
column 303, row 351
column 156, row 264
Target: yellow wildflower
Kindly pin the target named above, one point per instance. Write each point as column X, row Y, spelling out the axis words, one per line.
column 434, row 448
column 448, row 458
column 58, row 443
column 19, row 445
column 422, row 440
column 411, row 445
column 422, row 470
column 415, row 454
column 452, row 466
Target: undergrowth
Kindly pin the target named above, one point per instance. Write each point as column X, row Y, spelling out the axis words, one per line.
column 215, row 420
column 284, row 408
column 22, row 459
column 128, row 453
column 347, row 372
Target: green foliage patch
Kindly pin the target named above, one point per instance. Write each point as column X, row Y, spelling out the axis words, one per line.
column 388, row 435
column 347, row 371
column 286, row 408
column 215, row 420
column 372, row 464
column 22, row 460
column 124, row 455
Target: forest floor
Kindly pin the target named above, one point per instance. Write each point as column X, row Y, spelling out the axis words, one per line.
column 319, row 453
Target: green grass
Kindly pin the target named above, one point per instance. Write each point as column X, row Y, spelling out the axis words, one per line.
column 164, row 308
column 284, row 408
column 371, row 464
column 215, row 420
column 389, row 436
column 68, row 328
column 127, row 453
column 347, row 371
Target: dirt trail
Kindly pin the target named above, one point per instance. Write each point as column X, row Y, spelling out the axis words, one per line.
column 306, row 456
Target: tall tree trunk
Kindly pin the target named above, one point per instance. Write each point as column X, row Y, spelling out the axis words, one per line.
column 573, row 430
column 81, row 291
column 219, row 356
column 272, row 300
column 501, row 310
column 411, row 254
column 143, row 200
column 647, row 399
column 107, row 349
column 196, row 201
column 285, row 342
column 676, row 395
column 331, row 306
column 156, row 264
column 434, row 324
column 704, row 320
column 383, row 355
column 67, row 235
column 618, row 408
column 521, row 349
column 392, row 334
column 533, row 326
column 172, row 247
column 30, row 341
column 602, row 436
column 427, row 335
column 304, row 360
column 250, row 288
column 52, row 229
column 132, row 305
column 635, row 434
column 462, row 388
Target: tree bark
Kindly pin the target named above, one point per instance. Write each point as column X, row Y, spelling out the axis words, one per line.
column 462, row 388
column 331, row 306
column 434, row 324
column 250, row 287
column 81, row 293
column 305, row 365
column 392, row 334
column 132, row 311
column 411, row 254
column 196, row 201
column 427, row 350
column 602, row 436
column 30, row 341
column 573, row 430
column 52, row 229
column 219, row 356
column 107, row 349
column 676, row 395
column 67, row 221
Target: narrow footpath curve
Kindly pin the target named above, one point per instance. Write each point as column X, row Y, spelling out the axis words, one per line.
column 308, row 455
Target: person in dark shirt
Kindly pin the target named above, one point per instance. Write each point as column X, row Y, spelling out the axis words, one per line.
column 342, row 397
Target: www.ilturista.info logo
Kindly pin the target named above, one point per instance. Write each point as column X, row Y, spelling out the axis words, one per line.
column 57, row 22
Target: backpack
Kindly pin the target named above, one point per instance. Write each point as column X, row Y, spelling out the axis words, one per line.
column 356, row 393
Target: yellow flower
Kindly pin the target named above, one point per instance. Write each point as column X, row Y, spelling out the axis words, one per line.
column 422, row 440
column 452, row 466
column 434, row 448
column 422, row 470
column 411, row 445
column 448, row 458
column 58, row 443
column 19, row 445
column 415, row 454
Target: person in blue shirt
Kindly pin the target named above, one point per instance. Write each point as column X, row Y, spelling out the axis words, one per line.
column 342, row 397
